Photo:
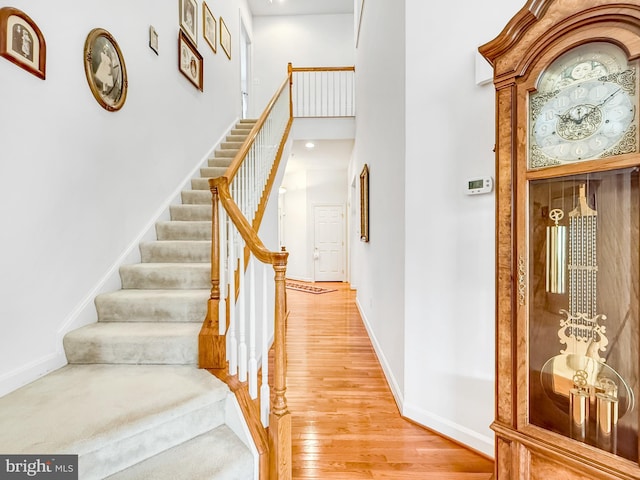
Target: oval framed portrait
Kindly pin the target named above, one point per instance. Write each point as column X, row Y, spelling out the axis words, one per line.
column 105, row 69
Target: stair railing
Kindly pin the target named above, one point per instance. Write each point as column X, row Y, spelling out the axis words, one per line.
column 323, row 91
column 233, row 338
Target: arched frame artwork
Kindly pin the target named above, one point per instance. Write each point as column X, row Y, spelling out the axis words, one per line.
column 22, row 42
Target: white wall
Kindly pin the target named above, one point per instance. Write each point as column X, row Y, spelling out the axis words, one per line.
column 426, row 278
column 379, row 267
column 303, row 40
column 450, row 273
column 80, row 185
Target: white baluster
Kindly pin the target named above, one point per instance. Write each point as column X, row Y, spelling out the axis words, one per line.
column 224, row 266
column 242, row 320
column 253, row 362
column 232, row 355
column 265, row 397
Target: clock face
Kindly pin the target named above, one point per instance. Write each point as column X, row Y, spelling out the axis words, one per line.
column 585, row 108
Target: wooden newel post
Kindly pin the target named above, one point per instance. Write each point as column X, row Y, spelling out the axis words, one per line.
column 211, row 345
column 279, row 417
column 290, row 73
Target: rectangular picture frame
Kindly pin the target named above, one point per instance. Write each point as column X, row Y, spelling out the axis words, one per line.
column 225, row 38
column 190, row 62
column 364, row 203
column 209, row 27
column 22, row 42
column 189, row 19
column 153, row 39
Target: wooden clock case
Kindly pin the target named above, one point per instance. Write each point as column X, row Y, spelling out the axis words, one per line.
column 538, row 34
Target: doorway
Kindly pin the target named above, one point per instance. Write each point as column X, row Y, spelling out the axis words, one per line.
column 329, row 244
column 245, row 62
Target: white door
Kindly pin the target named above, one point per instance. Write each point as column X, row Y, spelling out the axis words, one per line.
column 328, row 243
column 245, row 59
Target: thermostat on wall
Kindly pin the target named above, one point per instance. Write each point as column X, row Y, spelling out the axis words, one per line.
column 476, row 186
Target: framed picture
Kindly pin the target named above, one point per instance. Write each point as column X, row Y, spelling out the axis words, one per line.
column 153, row 39
column 358, row 19
column 21, row 41
column 209, row 27
column 190, row 61
column 189, row 19
column 364, row 203
column 105, row 69
column 225, row 38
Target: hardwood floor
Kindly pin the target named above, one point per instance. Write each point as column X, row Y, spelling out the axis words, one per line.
column 346, row 424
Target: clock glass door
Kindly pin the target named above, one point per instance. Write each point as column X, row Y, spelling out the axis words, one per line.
column 584, row 307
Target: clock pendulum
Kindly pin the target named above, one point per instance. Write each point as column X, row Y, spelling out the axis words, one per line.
column 556, row 256
column 579, row 372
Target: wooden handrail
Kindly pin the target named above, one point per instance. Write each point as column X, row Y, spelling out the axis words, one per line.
column 236, row 163
column 220, row 186
column 323, row 69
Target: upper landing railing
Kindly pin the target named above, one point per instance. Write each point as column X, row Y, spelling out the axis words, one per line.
column 323, row 91
column 246, row 314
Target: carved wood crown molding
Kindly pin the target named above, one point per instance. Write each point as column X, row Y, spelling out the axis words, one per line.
column 515, row 29
column 612, row 17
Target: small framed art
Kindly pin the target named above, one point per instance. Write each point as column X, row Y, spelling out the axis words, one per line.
column 105, row 69
column 22, row 42
column 209, row 27
column 153, row 39
column 225, row 38
column 189, row 19
column 190, row 61
column 364, row 203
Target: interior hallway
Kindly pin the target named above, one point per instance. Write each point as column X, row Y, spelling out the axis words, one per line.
column 346, row 424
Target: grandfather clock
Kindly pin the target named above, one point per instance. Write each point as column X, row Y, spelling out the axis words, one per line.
column 566, row 74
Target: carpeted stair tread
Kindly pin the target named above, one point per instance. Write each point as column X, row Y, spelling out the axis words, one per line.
column 226, row 153
column 238, row 137
column 240, row 131
column 183, row 230
column 145, row 343
column 202, row 183
column 176, row 251
column 219, row 162
column 197, row 197
column 158, row 276
column 231, row 145
column 112, row 416
column 186, row 461
column 211, row 172
column 132, row 305
column 190, row 212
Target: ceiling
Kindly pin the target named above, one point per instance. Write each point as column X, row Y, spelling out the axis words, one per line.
column 300, row 7
column 326, row 154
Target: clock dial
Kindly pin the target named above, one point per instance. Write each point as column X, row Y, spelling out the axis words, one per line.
column 583, row 121
column 585, row 107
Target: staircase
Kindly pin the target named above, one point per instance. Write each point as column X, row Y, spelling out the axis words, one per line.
column 132, row 402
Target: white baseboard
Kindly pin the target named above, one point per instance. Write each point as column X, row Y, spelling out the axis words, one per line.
column 388, row 373
column 19, row 377
column 458, row 433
